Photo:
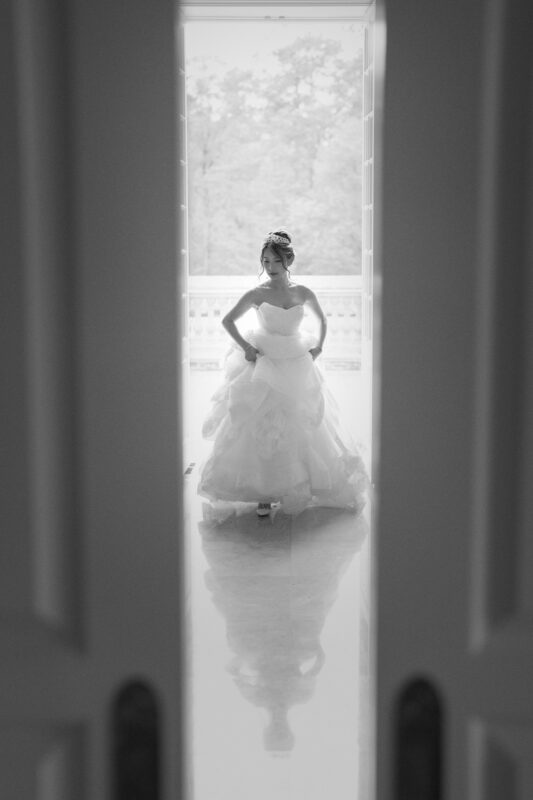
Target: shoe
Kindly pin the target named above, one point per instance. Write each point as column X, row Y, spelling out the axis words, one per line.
column 263, row 509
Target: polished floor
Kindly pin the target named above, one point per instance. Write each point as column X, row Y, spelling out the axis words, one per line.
column 279, row 679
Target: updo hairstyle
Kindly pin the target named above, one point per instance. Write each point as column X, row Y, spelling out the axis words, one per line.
column 283, row 249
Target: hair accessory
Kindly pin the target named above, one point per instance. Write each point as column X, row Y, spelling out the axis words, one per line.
column 274, row 237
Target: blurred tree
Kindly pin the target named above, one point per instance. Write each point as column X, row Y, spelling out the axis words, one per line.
column 278, row 148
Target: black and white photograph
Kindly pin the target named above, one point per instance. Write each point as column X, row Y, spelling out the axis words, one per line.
column 267, row 400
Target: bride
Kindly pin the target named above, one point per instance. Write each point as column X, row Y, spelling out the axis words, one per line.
column 274, row 423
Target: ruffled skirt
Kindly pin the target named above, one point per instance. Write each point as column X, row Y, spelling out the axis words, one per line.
column 276, row 433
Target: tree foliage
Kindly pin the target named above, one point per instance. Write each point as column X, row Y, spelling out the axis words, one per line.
column 277, row 149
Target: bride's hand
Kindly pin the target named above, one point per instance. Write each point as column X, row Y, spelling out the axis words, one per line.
column 315, row 352
column 251, row 352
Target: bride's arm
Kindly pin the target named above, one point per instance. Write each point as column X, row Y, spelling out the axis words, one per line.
column 239, row 309
column 311, row 300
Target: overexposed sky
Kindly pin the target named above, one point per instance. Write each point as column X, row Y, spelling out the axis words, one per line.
column 251, row 44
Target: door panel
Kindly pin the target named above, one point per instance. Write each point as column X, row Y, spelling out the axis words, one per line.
column 53, row 758
column 46, row 548
column 90, row 584
column 454, row 558
column 501, row 761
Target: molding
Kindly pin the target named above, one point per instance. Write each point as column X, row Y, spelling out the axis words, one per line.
column 198, row 10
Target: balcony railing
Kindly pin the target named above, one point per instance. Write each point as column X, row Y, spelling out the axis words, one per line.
column 210, row 297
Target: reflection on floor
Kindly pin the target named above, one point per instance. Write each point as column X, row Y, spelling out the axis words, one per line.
column 278, row 655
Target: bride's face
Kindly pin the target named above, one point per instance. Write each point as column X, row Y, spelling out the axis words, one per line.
column 272, row 263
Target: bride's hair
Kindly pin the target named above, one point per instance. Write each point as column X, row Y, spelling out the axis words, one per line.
column 281, row 243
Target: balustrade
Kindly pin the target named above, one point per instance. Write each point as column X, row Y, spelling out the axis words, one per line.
column 210, row 297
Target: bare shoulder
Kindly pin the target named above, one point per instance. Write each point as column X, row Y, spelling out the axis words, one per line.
column 259, row 293
column 245, row 302
column 305, row 292
column 250, row 296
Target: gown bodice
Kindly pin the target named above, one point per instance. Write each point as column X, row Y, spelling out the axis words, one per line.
column 283, row 321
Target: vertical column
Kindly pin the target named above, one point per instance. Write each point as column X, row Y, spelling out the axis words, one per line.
column 183, row 240
column 368, row 226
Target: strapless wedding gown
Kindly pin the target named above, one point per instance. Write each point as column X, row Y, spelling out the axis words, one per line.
column 275, row 426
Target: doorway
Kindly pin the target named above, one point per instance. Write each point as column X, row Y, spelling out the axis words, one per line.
column 279, row 694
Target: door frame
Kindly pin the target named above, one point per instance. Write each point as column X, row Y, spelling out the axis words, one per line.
column 372, row 15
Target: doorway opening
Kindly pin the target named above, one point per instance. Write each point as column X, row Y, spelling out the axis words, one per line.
column 278, row 134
